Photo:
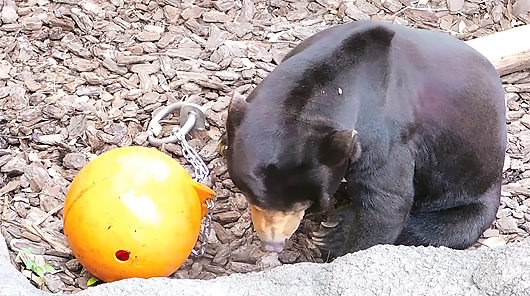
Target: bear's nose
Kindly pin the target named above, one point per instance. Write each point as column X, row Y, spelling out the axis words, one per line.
column 272, row 246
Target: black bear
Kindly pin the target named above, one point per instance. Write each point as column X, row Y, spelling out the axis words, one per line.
column 413, row 120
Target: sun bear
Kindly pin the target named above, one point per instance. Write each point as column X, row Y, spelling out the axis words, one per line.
column 413, row 120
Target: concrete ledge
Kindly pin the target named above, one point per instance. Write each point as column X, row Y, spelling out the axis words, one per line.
column 381, row 270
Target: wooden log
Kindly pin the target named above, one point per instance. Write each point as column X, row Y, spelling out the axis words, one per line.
column 508, row 51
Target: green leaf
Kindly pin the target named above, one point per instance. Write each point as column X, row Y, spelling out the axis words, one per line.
column 49, row 268
column 92, row 281
column 30, row 265
column 27, row 250
column 38, row 270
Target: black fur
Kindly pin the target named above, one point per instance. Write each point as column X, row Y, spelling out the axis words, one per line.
column 426, row 115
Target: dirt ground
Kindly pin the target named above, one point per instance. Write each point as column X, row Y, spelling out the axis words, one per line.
column 81, row 77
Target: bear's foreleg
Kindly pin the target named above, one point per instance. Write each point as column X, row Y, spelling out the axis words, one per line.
column 381, row 199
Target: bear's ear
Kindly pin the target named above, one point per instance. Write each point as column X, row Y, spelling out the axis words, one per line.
column 339, row 146
column 237, row 108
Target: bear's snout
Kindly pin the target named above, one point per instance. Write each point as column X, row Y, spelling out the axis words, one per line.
column 274, row 228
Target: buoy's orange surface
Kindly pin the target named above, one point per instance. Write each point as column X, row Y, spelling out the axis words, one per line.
column 133, row 212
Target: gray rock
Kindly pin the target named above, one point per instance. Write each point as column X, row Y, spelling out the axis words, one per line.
column 9, row 13
column 5, row 67
column 84, row 65
column 148, row 36
column 192, row 12
column 75, row 161
column 215, row 16
column 521, row 9
column 354, row 12
column 507, row 225
column 269, row 261
column 381, row 270
column 54, row 283
column 14, row 165
column 455, row 5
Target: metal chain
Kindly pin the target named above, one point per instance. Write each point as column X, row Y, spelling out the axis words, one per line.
column 200, row 173
column 206, row 228
column 191, row 115
column 200, row 168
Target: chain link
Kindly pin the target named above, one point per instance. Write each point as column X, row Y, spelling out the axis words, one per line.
column 206, row 227
column 200, row 173
column 193, row 117
column 199, row 167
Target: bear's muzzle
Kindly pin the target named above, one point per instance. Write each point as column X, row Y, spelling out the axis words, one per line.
column 274, row 228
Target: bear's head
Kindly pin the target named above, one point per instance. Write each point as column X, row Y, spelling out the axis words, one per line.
column 283, row 166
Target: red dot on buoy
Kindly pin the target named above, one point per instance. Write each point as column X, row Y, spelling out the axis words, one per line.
column 122, row 255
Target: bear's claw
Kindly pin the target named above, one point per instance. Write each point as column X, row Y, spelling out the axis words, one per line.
column 329, row 240
column 319, row 243
column 331, row 235
column 329, row 224
column 318, row 234
column 316, row 238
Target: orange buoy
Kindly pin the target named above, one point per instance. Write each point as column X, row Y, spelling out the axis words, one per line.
column 133, row 212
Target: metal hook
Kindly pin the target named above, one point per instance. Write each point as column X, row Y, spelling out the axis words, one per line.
column 191, row 115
